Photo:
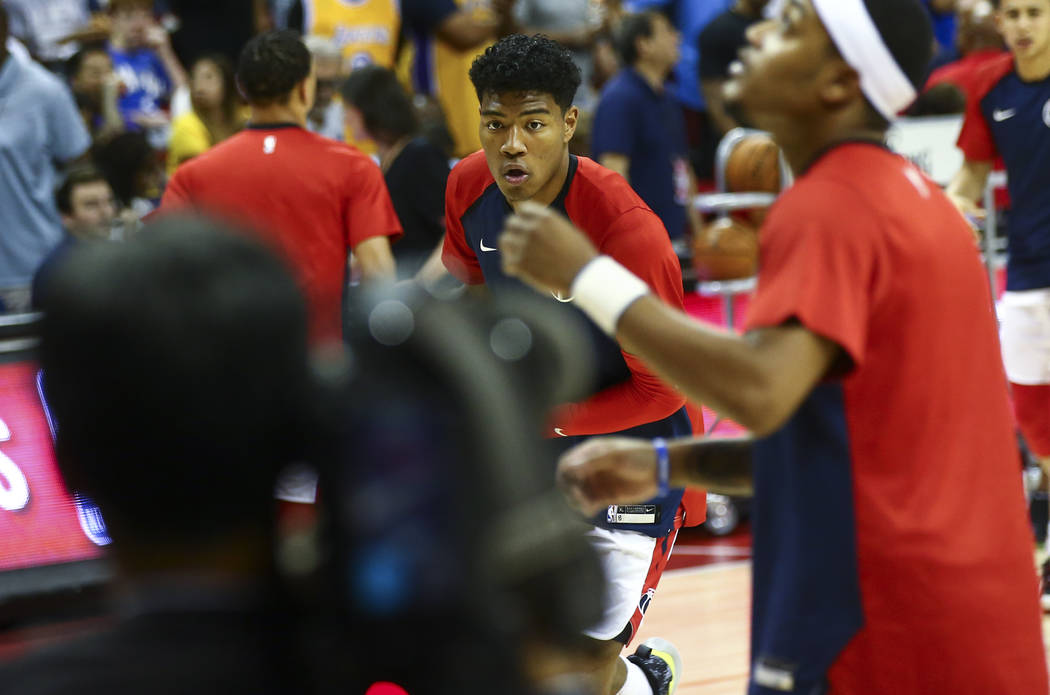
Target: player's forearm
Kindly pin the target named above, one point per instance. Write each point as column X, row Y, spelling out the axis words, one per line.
column 722, row 370
column 375, row 260
column 615, row 409
column 721, row 466
column 969, row 182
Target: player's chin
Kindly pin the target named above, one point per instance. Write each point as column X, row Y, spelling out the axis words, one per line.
column 514, row 193
column 736, row 110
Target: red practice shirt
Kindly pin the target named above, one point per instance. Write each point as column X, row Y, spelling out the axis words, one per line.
column 893, row 552
column 629, row 399
column 312, row 197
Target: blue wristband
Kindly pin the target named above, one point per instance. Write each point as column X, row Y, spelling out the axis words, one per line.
column 663, row 467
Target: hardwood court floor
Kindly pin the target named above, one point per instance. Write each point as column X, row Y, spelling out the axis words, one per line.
column 704, row 612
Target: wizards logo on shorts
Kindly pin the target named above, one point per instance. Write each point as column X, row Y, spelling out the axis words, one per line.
column 646, row 599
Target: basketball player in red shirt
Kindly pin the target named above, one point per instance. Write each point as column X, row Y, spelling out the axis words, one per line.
column 892, row 550
column 525, row 87
column 314, row 198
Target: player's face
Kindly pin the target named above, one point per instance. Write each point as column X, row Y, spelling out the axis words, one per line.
column 526, row 137
column 1025, row 27
column 775, row 78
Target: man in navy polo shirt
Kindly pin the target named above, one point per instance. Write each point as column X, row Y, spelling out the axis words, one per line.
column 638, row 128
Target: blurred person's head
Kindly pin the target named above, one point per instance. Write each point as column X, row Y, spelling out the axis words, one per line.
column 526, row 85
column 793, row 81
column 131, row 166
column 87, row 70
column 213, row 87
column 377, row 106
column 328, row 67
column 86, row 203
column 975, row 27
column 1025, row 27
column 130, row 22
column 176, row 367
column 275, row 74
column 649, row 41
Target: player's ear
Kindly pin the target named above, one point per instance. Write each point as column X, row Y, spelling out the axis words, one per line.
column 572, row 118
column 838, row 83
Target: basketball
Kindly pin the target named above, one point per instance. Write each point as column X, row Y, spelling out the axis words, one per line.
column 726, row 249
column 754, row 166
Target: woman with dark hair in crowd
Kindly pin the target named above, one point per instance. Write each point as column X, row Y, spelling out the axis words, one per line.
column 414, row 166
column 216, row 114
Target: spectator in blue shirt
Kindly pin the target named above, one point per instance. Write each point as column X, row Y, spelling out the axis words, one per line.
column 39, row 126
column 146, row 65
column 639, row 131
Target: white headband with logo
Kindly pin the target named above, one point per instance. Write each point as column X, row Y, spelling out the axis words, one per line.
column 855, row 35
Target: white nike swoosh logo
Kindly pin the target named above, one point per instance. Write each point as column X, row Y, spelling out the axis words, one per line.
column 558, row 431
column 1000, row 115
column 486, row 248
column 563, row 300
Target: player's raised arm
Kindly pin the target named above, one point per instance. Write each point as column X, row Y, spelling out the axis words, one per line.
column 757, row 379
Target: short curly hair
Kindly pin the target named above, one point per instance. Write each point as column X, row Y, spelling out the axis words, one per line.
column 270, row 67
column 519, row 63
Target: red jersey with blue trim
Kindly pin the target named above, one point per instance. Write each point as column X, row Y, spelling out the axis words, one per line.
column 892, row 549
column 1011, row 118
column 629, row 398
column 312, row 197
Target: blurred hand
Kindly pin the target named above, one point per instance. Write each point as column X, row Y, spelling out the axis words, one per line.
column 156, row 119
column 542, row 248
column 969, row 209
column 157, row 38
column 974, row 214
column 610, row 470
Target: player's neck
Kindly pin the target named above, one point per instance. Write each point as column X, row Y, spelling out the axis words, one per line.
column 278, row 113
column 1033, row 68
column 803, row 144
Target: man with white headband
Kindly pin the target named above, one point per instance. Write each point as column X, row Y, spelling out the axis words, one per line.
column 1008, row 116
column 891, row 545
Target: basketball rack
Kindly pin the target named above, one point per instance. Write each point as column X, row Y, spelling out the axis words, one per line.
column 722, row 203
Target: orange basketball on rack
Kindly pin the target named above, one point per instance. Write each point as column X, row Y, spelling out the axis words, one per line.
column 754, row 165
column 726, row 249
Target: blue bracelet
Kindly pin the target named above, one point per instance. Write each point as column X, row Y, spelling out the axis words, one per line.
column 663, row 467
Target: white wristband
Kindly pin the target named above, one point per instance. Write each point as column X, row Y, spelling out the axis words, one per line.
column 604, row 289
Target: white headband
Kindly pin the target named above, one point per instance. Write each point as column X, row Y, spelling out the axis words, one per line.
column 854, row 33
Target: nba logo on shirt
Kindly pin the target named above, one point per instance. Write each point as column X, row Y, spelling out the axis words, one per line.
column 270, row 144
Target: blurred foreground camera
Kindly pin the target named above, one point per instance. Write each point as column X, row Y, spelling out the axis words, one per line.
column 445, row 549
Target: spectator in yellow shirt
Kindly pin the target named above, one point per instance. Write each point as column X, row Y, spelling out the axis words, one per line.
column 216, row 114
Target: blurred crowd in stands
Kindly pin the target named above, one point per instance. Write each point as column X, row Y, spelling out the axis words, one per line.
column 101, row 100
